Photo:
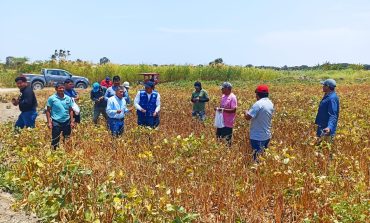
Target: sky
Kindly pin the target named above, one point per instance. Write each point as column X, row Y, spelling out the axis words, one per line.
column 241, row 32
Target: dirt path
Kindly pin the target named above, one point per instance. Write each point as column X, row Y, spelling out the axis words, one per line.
column 7, row 215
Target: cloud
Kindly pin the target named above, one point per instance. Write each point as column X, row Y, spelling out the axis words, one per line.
column 177, row 30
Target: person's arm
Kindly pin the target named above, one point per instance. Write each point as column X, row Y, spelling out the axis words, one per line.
column 106, row 95
column 333, row 116
column 48, row 113
column 111, row 109
column 48, row 117
column 137, row 101
column 27, row 99
column 127, row 97
column 71, row 116
column 204, row 98
column 77, row 97
column 233, row 106
column 158, row 104
column 252, row 112
column 92, row 96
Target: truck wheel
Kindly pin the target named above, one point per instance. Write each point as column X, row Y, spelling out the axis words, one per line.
column 81, row 85
column 37, row 85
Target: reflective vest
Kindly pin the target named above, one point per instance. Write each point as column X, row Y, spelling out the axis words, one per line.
column 148, row 105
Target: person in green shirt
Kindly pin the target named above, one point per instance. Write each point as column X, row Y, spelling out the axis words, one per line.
column 199, row 98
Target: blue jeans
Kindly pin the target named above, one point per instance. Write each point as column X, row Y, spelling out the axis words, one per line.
column 26, row 119
column 201, row 115
column 116, row 126
column 258, row 147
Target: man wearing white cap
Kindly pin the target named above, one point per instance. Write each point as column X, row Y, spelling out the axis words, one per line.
column 126, row 84
column 328, row 112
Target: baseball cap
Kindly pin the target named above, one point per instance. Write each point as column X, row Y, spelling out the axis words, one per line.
column 226, row 85
column 107, row 78
column 126, row 84
column 149, row 84
column 197, row 84
column 329, row 82
column 262, row 89
column 95, row 86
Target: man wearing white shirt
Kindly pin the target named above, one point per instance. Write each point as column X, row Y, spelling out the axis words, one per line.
column 116, row 110
column 148, row 104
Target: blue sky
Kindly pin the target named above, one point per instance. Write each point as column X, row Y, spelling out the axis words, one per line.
column 263, row 32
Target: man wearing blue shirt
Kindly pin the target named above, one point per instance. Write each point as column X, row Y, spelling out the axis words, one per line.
column 116, row 110
column 59, row 115
column 328, row 112
column 260, row 116
column 111, row 91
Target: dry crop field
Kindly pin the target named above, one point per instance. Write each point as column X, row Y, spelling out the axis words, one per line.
column 180, row 173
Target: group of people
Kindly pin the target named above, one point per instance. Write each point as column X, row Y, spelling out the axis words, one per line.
column 111, row 100
column 261, row 112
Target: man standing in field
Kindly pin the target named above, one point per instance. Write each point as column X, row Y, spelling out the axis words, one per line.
column 111, row 91
column 27, row 104
column 199, row 98
column 328, row 112
column 71, row 92
column 228, row 108
column 106, row 82
column 59, row 115
column 126, row 84
column 260, row 115
column 97, row 96
column 148, row 104
column 116, row 110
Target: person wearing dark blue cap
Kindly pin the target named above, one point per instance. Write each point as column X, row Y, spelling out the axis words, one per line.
column 328, row 112
column 148, row 104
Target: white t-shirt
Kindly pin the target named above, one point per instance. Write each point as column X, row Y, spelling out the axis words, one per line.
column 261, row 112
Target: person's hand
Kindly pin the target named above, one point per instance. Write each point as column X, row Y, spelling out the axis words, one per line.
column 73, row 124
column 143, row 110
column 130, row 108
column 155, row 114
column 326, row 131
column 119, row 111
column 50, row 125
column 101, row 98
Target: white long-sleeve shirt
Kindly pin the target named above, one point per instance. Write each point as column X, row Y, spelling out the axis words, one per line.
column 114, row 103
column 137, row 101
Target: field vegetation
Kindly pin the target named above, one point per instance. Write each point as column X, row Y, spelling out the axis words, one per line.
column 180, row 173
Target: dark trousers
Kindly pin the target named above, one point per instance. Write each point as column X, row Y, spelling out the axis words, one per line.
column 149, row 121
column 26, row 119
column 116, row 126
column 57, row 130
column 258, row 147
column 225, row 133
column 97, row 112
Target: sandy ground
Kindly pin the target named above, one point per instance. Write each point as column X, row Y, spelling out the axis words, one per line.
column 7, row 215
column 9, row 112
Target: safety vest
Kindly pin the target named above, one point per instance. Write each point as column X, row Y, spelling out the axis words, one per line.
column 148, row 105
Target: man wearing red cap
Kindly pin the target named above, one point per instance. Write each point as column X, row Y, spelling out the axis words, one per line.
column 260, row 115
